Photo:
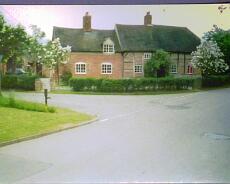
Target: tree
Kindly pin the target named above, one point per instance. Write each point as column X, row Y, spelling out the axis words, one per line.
column 208, row 58
column 222, row 38
column 158, row 65
column 13, row 41
column 36, row 48
column 49, row 54
column 55, row 54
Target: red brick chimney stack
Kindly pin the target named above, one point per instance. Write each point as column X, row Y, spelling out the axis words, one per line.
column 148, row 19
column 87, row 22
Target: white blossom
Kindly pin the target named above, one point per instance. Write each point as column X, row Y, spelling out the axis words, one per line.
column 208, row 58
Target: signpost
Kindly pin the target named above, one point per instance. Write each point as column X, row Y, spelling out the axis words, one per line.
column 1, row 56
column 46, row 96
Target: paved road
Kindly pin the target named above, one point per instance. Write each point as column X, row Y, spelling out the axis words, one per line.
column 177, row 138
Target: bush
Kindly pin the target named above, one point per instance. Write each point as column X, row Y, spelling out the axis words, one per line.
column 65, row 77
column 215, row 80
column 24, row 82
column 132, row 85
column 158, row 64
column 9, row 81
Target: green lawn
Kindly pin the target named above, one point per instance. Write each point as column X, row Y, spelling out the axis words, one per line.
column 16, row 123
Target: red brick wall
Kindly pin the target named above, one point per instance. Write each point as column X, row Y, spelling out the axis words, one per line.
column 120, row 65
column 93, row 64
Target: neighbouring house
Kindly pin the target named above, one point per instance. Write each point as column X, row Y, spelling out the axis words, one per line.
column 122, row 52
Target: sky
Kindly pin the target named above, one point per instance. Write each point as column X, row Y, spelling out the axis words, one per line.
column 198, row 18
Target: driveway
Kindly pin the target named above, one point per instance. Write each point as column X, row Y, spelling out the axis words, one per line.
column 162, row 138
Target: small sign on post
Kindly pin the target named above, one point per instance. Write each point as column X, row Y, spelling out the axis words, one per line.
column 46, row 96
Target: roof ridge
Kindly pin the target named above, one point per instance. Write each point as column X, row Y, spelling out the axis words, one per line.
column 170, row 26
column 152, row 25
column 82, row 28
column 130, row 24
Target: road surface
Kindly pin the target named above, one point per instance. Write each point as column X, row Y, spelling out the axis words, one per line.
column 161, row 138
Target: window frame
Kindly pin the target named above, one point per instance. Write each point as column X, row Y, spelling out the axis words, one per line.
column 108, row 46
column 138, row 65
column 80, row 72
column 176, row 69
column 106, row 69
column 188, row 69
column 149, row 54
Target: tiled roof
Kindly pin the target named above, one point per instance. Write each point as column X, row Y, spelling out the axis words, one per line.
column 81, row 41
column 130, row 38
column 151, row 38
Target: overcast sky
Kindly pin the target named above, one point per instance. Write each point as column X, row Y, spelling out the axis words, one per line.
column 198, row 18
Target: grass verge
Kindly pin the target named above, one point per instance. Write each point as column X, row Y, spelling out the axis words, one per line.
column 17, row 124
column 29, row 106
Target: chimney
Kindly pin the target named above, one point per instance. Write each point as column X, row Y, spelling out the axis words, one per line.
column 148, row 19
column 87, row 22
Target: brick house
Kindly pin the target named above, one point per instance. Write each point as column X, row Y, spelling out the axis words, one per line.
column 122, row 52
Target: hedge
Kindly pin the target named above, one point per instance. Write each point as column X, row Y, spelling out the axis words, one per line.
column 215, row 80
column 24, row 82
column 65, row 77
column 132, row 85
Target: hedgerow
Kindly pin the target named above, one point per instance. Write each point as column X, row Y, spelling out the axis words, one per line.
column 132, row 85
column 23, row 82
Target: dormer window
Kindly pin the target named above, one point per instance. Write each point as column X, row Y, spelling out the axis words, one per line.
column 108, row 46
column 147, row 56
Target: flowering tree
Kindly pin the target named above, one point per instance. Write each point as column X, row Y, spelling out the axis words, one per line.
column 55, row 53
column 49, row 54
column 222, row 38
column 208, row 58
column 35, row 48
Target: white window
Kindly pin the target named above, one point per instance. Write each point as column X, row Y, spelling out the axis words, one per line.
column 138, row 69
column 173, row 68
column 108, row 46
column 106, row 68
column 147, row 56
column 80, row 68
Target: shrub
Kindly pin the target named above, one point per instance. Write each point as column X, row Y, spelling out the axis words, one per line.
column 78, row 84
column 158, row 64
column 24, row 82
column 65, row 77
column 215, row 80
column 132, row 85
column 108, row 85
column 9, row 81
